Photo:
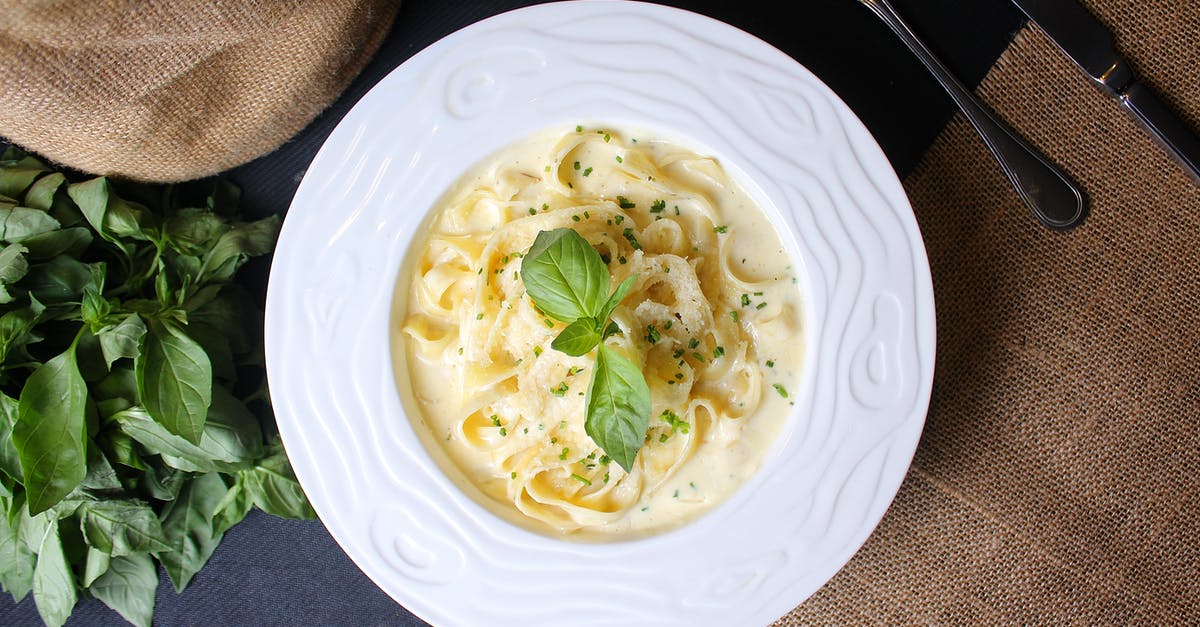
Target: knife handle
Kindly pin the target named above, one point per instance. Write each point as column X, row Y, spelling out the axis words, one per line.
column 1164, row 125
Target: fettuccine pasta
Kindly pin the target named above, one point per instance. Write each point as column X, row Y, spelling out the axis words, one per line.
column 714, row 320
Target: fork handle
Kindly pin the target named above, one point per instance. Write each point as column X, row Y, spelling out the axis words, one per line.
column 1053, row 198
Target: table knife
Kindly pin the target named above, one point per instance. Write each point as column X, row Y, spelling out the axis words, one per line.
column 1089, row 44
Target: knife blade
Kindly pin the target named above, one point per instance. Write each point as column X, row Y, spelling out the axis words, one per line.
column 1090, row 45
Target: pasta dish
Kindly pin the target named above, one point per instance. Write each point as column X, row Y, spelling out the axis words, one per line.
column 713, row 320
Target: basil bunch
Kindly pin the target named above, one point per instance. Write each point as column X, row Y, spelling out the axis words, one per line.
column 568, row 281
column 127, row 358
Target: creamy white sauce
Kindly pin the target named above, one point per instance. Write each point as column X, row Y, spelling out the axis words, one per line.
column 478, row 358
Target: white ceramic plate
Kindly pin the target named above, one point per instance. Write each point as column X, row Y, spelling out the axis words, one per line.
column 794, row 145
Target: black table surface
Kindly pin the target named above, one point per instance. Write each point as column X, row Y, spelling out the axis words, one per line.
column 270, row 571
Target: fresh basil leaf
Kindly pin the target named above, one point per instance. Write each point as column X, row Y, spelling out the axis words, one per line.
column 41, row 194
column 194, row 230
column 578, row 338
column 49, row 433
column 16, row 178
column 71, row 242
column 231, row 439
column 237, row 245
column 616, row 297
column 160, row 481
column 174, row 380
column 118, row 447
column 13, row 264
column 92, row 199
column 274, row 488
column 129, row 587
column 188, row 525
column 564, row 275
column 53, row 584
column 618, row 407
column 10, row 459
column 122, row 339
column 121, row 383
column 232, row 508
column 121, row 526
column 60, row 280
column 229, row 310
column 17, row 331
column 610, row 330
column 109, row 215
column 17, row 560
column 19, row 223
column 96, row 565
column 215, row 343
column 100, row 476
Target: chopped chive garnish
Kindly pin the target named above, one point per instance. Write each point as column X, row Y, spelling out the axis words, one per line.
column 587, row 171
column 664, row 437
column 734, row 315
column 479, row 316
column 580, row 479
column 548, row 323
column 578, row 128
column 605, row 459
column 537, row 351
column 720, row 229
column 460, row 350
column 512, row 475
column 677, row 423
column 503, row 432
column 760, row 305
column 532, row 211
column 628, row 233
column 657, row 206
column 667, row 324
column 678, row 354
column 619, row 219
column 782, row 391
column 699, row 357
column 622, row 259
column 619, row 159
column 770, row 363
column 495, row 420
column 676, row 209
column 560, row 389
column 607, row 137
column 652, row 334
column 563, row 455
column 575, row 218
column 625, row 203
column 718, row 351
column 576, row 165
column 693, row 343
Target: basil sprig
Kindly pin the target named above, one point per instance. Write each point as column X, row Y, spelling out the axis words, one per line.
column 568, row 281
column 130, row 369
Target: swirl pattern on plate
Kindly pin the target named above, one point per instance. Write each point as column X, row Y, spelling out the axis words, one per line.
column 797, row 149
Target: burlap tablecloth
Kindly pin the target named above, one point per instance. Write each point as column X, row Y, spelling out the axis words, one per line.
column 1057, row 477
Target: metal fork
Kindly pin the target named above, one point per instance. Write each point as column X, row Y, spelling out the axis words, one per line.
column 1055, row 200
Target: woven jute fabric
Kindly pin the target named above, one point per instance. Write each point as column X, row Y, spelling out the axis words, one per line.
column 172, row 90
column 1058, row 477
